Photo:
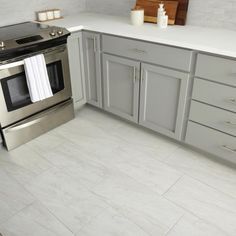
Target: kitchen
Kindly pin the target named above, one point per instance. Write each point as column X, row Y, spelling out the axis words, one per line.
column 145, row 142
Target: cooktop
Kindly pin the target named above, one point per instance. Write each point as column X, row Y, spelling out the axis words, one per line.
column 28, row 33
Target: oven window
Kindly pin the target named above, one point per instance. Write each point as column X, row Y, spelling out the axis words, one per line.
column 16, row 91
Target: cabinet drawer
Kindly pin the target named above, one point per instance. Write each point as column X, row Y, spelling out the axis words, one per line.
column 216, row 69
column 148, row 52
column 215, row 94
column 216, row 118
column 212, row 141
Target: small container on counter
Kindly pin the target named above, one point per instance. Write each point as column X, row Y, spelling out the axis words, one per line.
column 57, row 13
column 137, row 16
column 42, row 16
column 50, row 14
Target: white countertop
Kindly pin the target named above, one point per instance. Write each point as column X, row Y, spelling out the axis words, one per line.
column 216, row 41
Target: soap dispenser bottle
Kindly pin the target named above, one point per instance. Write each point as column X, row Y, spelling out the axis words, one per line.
column 162, row 18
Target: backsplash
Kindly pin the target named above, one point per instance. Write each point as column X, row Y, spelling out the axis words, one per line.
column 12, row 11
column 211, row 13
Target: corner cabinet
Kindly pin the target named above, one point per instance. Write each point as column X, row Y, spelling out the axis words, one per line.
column 92, row 66
column 163, row 97
column 75, row 54
column 121, row 86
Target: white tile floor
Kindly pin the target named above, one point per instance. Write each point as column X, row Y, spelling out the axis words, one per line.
column 100, row 176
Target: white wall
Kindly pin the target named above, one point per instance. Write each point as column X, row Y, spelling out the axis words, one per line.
column 212, row 13
column 15, row 11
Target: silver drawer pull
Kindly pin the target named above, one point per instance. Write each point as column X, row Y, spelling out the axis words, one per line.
column 138, row 50
column 230, row 123
column 227, row 148
column 134, row 75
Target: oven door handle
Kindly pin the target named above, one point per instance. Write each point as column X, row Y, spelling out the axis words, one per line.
column 11, row 65
column 33, row 120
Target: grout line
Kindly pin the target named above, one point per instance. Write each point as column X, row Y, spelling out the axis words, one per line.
column 172, row 185
column 173, row 226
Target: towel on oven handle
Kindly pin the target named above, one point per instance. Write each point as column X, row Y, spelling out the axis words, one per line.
column 37, row 78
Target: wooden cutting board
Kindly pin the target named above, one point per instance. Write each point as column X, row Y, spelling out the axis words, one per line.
column 150, row 9
column 182, row 12
column 181, row 15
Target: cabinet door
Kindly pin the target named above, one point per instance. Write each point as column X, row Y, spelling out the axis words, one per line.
column 92, row 65
column 163, row 99
column 75, row 54
column 121, row 86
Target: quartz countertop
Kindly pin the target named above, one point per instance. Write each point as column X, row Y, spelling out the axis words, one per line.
column 216, row 41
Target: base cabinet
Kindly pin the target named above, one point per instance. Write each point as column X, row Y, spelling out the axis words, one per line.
column 121, row 86
column 162, row 100
column 92, row 66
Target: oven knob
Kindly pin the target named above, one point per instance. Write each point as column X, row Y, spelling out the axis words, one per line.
column 60, row 32
column 2, row 44
column 53, row 33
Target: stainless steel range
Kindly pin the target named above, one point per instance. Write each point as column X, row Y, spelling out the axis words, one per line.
column 22, row 120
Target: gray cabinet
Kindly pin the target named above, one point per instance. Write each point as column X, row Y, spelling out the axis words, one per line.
column 163, row 99
column 92, row 65
column 121, row 86
column 75, row 54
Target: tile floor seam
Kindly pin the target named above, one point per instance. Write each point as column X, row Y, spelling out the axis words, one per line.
column 39, row 201
column 194, row 214
column 210, row 186
column 197, row 216
column 17, row 212
column 173, row 185
column 195, row 178
column 20, row 184
column 171, row 228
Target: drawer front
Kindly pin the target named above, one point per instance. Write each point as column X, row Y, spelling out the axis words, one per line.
column 213, row 117
column 212, row 141
column 215, row 94
column 216, row 69
column 148, row 52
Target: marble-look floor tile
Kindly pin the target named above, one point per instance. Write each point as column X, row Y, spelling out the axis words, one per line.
column 103, row 120
column 109, row 223
column 206, row 203
column 78, row 164
column 71, row 203
column 192, row 225
column 23, row 163
column 13, row 197
column 34, row 220
column 88, row 136
column 138, row 203
column 46, row 142
column 206, row 170
column 141, row 167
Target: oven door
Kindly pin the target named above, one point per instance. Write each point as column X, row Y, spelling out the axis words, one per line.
column 15, row 102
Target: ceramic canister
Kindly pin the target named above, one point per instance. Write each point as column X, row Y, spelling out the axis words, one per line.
column 137, row 17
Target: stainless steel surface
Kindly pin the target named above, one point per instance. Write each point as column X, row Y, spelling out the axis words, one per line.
column 56, row 54
column 38, row 124
column 10, row 34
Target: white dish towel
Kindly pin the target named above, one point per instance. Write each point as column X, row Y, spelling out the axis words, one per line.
column 37, row 78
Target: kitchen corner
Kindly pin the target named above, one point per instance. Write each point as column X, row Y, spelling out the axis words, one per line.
column 118, row 118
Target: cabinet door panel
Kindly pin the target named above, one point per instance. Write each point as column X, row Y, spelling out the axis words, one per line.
column 121, row 86
column 92, row 64
column 75, row 54
column 163, row 99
